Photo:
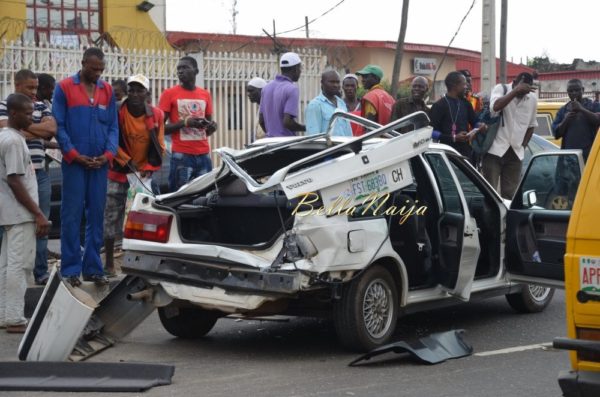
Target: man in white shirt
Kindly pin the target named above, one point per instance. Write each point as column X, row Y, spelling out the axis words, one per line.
column 20, row 214
column 518, row 104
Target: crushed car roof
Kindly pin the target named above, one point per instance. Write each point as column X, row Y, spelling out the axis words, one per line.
column 341, row 159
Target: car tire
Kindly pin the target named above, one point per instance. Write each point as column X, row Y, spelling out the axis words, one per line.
column 365, row 315
column 187, row 322
column 531, row 299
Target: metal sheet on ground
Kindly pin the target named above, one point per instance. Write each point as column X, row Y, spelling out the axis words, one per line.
column 431, row 349
column 83, row 377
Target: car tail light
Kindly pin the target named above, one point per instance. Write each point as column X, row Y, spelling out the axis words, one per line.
column 588, row 334
column 148, row 226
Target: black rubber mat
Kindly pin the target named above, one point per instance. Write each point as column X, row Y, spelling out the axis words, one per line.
column 84, row 377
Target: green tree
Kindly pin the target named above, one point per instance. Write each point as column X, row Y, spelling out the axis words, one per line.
column 542, row 64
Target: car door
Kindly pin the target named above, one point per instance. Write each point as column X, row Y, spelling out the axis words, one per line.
column 458, row 241
column 536, row 224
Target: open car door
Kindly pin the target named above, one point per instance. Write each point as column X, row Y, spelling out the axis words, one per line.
column 536, row 226
column 458, row 241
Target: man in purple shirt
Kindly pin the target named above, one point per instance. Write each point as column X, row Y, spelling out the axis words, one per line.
column 280, row 98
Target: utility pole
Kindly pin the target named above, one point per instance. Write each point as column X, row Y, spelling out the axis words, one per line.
column 234, row 13
column 399, row 49
column 488, row 46
column 503, row 26
column 306, row 26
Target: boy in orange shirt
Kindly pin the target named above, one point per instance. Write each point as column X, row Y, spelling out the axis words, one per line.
column 138, row 122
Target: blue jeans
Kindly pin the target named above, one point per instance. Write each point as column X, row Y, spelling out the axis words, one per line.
column 40, row 269
column 185, row 167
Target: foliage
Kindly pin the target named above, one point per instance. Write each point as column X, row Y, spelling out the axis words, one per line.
column 544, row 64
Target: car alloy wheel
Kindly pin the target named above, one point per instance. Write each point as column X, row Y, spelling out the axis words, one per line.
column 377, row 308
column 365, row 314
column 531, row 298
column 539, row 293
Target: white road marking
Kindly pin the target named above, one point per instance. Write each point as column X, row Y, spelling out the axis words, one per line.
column 514, row 349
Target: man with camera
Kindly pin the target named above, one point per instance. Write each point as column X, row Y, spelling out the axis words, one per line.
column 188, row 110
column 577, row 121
column 518, row 104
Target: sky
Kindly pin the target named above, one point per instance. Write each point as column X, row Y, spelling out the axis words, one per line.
column 557, row 29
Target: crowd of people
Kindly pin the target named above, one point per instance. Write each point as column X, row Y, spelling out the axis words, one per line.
column 106, row 133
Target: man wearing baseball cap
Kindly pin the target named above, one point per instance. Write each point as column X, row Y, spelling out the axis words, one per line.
column 280, row 99
column 376, row 104
column 141, row 146
column 253, row 92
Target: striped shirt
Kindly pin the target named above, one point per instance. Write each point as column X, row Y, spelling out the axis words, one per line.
column 36, row 146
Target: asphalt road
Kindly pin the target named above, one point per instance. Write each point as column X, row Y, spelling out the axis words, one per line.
column 302, row 358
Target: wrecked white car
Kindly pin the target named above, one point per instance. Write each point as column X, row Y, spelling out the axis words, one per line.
column 362, row 230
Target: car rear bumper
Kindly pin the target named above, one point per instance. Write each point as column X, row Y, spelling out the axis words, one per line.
column 579, row 383
column 210, row 273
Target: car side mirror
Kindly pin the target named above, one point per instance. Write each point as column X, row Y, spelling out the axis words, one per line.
column 529, row 198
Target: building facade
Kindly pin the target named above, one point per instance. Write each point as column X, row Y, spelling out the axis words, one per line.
column 351, row 55
column 126, row 24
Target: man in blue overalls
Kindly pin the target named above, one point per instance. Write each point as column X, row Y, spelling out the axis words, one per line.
column 85, row 110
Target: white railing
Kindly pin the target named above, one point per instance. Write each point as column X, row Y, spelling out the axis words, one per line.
column 223, row 74
column 61, row 62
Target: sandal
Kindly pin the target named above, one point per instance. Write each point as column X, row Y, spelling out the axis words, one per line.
column 74, row 281
column 98, row 279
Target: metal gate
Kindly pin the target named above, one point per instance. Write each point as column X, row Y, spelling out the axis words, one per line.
column 223, row 74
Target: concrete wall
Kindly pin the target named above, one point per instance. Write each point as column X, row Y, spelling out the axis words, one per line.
column 131, row 28
column 385, row 58
column 12, row 19
column 127, row 26
column 589, row 85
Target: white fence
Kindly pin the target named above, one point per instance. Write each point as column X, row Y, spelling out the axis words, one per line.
column 223, row 74
column 60, row 62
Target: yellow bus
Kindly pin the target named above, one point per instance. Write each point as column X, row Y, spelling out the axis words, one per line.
column 546, row 113
column 582, row 285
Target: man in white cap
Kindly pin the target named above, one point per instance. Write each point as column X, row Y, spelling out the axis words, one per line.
column 280, row 99
column 141, row 146
column 253, row 91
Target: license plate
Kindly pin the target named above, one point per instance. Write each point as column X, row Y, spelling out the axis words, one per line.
column 356, row 190
column 589, row 275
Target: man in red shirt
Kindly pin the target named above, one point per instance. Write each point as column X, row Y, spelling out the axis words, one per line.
column 188, row 110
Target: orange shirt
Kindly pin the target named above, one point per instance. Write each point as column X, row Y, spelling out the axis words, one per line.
column 136, row 137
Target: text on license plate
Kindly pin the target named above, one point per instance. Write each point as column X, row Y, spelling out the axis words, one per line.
column 357, row 190
column 589, row 275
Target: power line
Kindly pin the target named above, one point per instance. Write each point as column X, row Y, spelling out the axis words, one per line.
column 450, row 43
column 291, row 30
column 314, row 19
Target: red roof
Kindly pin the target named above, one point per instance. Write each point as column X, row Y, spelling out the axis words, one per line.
column 180, row 38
